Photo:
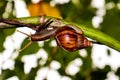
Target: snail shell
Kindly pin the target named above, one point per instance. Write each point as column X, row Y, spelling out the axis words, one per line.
column 70, row 40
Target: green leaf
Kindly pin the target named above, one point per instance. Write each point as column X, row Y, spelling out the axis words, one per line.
column 19, row 69
column 100, row 74
column 3, row 34
column 2, row 40
column 111, row 23
column 31, row 49
column 6, row 74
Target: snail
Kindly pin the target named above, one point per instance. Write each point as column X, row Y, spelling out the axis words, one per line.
column 70, row 40
column 67, row 36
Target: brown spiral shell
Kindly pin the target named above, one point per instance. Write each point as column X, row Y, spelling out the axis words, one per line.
column 70, row 40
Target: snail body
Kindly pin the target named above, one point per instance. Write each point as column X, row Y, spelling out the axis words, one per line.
column 70, row 40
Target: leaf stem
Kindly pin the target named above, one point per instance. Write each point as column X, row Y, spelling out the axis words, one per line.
column 101, row 37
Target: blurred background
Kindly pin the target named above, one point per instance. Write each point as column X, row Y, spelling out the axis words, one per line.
column 44, row 60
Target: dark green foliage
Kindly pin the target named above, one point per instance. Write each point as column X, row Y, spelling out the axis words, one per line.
column 4, row 33
column 112, row 21
column 81, row 12
column 33, row 48
column 100, row 74
column 118, row 72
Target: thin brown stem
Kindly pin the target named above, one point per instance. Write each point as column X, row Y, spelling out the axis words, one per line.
column 15, row 23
